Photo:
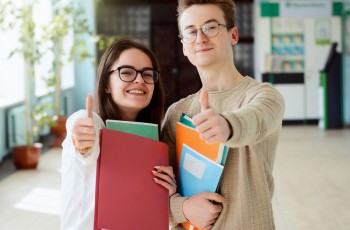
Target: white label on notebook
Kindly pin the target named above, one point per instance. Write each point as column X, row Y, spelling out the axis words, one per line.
column 194, row 166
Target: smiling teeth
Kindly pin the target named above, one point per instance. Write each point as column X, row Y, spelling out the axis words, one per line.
column 136, row 91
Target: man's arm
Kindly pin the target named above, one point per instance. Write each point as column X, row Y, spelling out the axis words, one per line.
column 260, row 116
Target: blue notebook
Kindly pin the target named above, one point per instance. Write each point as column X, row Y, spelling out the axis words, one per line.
column 197, row 173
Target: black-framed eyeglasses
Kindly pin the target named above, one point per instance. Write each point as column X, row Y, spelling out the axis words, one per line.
column 210, row 29
column 129, row 74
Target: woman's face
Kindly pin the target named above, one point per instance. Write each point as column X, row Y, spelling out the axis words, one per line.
column 131, row 97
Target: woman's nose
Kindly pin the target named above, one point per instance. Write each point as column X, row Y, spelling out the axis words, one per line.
column 139, row 78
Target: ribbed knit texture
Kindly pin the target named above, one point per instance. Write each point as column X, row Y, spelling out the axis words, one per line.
column 255, row 111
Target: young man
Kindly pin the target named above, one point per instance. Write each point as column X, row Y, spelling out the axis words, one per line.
column 232, row 109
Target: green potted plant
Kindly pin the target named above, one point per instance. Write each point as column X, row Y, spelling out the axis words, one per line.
column 25, row 156
column 66, row 17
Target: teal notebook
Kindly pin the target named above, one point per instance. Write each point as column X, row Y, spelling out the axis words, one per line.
column 142, row 129
column 186, row 120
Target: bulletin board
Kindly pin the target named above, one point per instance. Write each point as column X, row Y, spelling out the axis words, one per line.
column 288, row 44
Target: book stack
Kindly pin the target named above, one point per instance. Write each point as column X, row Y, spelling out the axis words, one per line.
column 126, row 195
column 199, row 165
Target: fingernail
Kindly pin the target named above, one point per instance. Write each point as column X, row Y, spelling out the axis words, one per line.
column 154, row 172
column 157, row 167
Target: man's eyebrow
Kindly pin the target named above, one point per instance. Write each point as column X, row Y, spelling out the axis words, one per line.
column 192, row 26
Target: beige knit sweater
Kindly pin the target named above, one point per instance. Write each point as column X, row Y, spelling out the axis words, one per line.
column 255, row 111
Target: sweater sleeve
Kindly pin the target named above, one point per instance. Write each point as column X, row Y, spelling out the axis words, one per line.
column 68, row 147
column 259, row 115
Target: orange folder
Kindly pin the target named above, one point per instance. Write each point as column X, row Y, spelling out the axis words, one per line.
column 126, row 195
column 190, row 136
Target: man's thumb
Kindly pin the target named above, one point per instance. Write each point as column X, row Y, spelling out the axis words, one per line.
column 203, row 100
column 214, row 197
column 89, row 105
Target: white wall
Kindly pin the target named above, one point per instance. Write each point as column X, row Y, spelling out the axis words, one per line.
column 262, row 43
column 302, row 100
column 346, row 67
column 315, row 60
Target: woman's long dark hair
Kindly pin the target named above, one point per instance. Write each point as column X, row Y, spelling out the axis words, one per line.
column 107, row 108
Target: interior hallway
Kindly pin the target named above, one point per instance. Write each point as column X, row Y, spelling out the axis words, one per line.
column 312, row 177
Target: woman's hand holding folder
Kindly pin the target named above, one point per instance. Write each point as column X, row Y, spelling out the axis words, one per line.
column 164, row 175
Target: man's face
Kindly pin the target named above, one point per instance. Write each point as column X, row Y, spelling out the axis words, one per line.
column 206, row 50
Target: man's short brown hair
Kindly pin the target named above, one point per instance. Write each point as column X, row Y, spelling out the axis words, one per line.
column 227, row 6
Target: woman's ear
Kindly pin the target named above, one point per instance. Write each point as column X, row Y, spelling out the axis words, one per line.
column 183, row 49
column 108, row 89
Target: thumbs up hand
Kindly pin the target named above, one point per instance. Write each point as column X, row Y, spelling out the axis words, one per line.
column 203, row 100
column 83, row 131
column 212, row 126
column 89, row 104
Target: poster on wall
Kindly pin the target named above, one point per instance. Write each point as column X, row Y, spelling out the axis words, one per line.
column 347, row 35
column 323, row 31
column 287, row 45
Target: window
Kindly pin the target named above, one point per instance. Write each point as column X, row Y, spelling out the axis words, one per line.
column 12, row 70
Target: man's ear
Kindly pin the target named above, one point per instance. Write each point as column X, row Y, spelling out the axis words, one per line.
column 234, row 36
column 183, row 49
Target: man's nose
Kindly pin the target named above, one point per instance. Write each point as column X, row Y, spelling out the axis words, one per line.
column 201, row 37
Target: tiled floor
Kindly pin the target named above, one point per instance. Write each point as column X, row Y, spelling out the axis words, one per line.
column 30, row 199
column 312, row 175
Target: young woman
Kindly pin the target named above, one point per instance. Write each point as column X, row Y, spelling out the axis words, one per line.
column 129, row 88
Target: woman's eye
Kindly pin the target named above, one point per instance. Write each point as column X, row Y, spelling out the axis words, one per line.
column 148, row 75
column 126, row 73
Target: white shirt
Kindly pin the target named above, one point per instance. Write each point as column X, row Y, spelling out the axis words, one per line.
column 78, row 179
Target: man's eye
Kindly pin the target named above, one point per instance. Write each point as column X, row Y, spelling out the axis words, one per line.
column 191, row 32
column 209, row 27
